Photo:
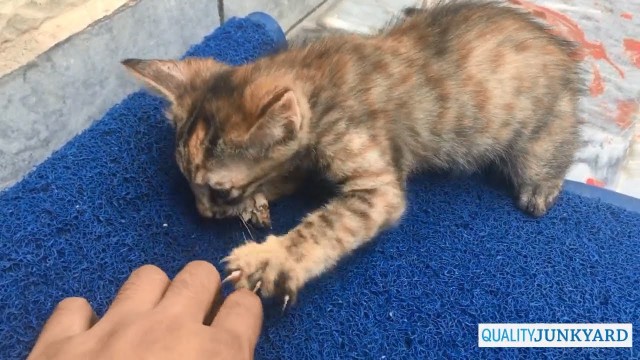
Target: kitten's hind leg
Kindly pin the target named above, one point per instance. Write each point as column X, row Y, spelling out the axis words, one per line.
column 537, row 199
column 538, row 168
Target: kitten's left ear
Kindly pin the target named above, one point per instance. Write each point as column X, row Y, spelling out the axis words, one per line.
column 170, row 78
column 279, row 119
column 166, row 77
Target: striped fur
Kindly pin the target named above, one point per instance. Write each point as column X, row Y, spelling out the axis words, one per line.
column 456, row 87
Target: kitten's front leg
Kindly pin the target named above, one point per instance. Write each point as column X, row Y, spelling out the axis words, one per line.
column 282, row 265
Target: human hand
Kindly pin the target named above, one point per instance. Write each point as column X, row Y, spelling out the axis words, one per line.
column 155, row 318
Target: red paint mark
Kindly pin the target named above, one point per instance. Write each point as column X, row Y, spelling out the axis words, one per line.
column 597, row 85
column 595, row 182
column 626, row 111
column 627, row 16
column 568, row 28
column 632, row 48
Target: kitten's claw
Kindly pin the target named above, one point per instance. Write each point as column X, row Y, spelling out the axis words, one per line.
column 261, row 217
column 225, row 259
column 257, row 287
column 286, row 301
column 235, row 275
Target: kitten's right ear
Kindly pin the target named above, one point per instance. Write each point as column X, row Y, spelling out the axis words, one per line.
column 166, row 77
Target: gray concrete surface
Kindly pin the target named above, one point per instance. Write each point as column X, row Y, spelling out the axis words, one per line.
column 47, row 102
column 287, row 12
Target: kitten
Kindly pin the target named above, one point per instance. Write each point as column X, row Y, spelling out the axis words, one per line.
column 457, row 86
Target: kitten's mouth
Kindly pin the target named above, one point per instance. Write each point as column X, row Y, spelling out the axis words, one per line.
column 227, row 197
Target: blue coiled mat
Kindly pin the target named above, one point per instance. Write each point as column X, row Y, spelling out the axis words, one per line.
column 113, row 199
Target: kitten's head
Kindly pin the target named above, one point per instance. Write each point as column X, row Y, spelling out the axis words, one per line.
column 235, row 127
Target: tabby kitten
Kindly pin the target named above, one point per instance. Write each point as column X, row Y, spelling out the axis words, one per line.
column 458, row 86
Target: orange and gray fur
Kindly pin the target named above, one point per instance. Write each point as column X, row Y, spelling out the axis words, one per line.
column 458, row 87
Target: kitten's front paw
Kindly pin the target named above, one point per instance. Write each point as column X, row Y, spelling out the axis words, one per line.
column 256, row 211
column 266, row 267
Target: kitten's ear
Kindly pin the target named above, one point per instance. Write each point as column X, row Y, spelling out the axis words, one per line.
column 170, row 78
column 279, row 119
column 166, row 77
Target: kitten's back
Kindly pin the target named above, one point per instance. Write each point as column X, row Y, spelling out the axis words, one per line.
column 496, row 79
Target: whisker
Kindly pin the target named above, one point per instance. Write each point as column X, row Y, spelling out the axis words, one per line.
column 246, row 227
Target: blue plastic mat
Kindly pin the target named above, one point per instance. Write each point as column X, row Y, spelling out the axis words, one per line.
column 113, row 199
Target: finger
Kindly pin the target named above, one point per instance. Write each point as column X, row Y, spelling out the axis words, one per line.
column 192, row 292
column 217, row 302
column 142, row 291
column 241, row 315
column 71, row 316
